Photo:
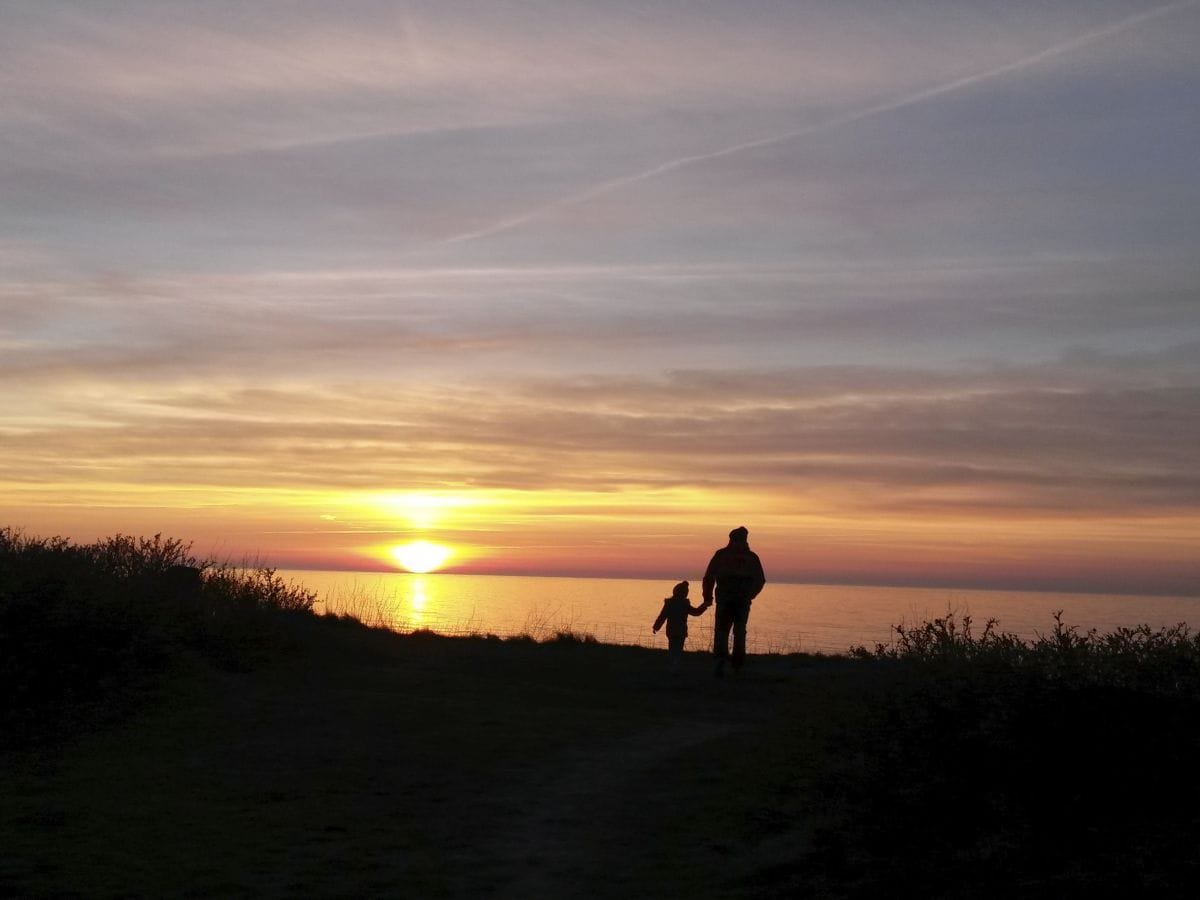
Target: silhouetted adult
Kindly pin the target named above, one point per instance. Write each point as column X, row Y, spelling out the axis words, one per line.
column 736, row 574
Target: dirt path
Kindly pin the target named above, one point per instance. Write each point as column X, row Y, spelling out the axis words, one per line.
column 566, row 830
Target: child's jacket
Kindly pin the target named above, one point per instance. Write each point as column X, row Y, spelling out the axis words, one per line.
column 675, row 613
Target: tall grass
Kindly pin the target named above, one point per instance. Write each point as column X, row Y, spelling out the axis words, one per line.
column 84, row 627
column 1164, row 660
column 376, row 609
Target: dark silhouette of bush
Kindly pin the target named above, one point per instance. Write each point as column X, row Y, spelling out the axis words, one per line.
column 987, row 766
column 85, row 628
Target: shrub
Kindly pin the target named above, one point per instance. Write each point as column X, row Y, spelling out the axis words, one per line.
column 84, row 627
column 565, row 636
column 985, row 765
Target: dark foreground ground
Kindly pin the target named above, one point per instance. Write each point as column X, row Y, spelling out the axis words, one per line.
column 364, row 763
column 175, row 729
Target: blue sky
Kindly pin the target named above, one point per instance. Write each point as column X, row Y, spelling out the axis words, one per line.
column 882, row 260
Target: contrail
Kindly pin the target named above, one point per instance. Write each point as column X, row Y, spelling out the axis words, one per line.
column 841, row 121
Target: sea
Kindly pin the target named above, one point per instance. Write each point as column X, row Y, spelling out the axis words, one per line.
column 786, row 618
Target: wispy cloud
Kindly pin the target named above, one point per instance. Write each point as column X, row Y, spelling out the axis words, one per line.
column 837, row 121
column 1102, row 434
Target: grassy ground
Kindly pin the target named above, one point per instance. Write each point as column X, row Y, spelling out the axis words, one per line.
column 367, row 763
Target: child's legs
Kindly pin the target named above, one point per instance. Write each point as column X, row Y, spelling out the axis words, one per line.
column 675, row 649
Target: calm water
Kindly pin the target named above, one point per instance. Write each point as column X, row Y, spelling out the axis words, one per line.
column 785, row 617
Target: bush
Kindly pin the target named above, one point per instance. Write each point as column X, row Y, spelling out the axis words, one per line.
column 564, row 636
column 984, row 765
column 84, row 628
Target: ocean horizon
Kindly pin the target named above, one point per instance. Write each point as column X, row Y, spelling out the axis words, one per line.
column 786, row 618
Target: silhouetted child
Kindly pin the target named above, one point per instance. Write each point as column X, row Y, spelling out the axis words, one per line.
column 675, row 612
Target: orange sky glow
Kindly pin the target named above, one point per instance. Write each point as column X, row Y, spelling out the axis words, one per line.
column 655, row 534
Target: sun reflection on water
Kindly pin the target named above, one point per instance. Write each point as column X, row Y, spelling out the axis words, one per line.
column 418, row 599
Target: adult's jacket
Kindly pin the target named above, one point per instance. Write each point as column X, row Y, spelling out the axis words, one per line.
column 736, row 574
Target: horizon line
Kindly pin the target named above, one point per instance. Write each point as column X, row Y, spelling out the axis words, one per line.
column 996, row 588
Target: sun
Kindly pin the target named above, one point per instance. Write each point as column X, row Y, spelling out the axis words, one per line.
column 421, row 556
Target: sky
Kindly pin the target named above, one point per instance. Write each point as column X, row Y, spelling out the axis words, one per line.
column 910, row 289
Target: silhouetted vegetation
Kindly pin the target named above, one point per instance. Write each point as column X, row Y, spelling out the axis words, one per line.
column 984, row 765
column 84, row 627
column 567, row 636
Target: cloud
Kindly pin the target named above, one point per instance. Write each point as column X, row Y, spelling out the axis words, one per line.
column 843, row 120
column 152, row 99
column 1109, row 439
column 438, row 326
column 148, row 56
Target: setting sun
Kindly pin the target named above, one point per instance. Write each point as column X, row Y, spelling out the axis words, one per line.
column 421, row 556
